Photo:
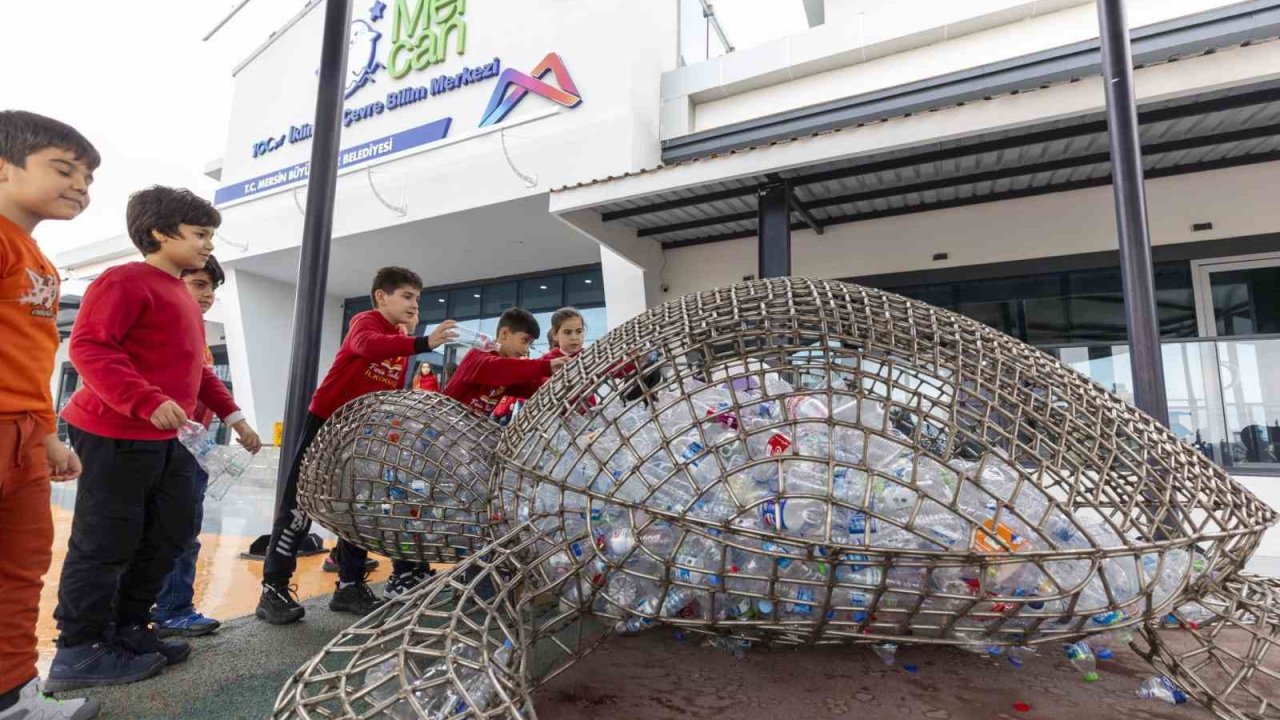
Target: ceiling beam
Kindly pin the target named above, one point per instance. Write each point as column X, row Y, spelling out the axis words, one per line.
column 1080, row 130
column 995, row 197
column 1006, row 173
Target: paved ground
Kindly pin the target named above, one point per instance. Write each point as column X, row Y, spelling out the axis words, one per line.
column 237, row 673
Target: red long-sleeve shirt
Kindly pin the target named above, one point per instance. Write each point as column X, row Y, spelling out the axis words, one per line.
column 372, row 358
column 139, row 341
column 482, row 378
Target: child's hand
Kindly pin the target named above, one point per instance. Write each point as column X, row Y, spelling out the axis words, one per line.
column 246, row 436
column 168, row 416
column 557, row 363
column 441, row 334
column 64, row 464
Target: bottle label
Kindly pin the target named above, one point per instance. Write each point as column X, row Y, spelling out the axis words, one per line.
column 778, row 444
column 771, row 514
column 694, row 450
column 722, row 415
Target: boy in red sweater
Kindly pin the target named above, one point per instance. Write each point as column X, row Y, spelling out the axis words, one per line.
column 372, row 358
column 484, row 377
column 46, row 168
column 138, row 344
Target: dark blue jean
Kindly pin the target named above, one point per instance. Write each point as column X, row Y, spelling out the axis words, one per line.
column 178, row 591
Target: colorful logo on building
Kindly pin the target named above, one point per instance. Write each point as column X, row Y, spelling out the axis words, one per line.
column 420, row 37
column 502, row 103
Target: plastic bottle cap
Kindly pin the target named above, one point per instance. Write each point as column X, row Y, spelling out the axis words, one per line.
column 1021, row 707
column 910, row 667
column 1090, row 677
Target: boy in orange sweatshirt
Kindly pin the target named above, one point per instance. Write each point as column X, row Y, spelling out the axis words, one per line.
column 46, row 168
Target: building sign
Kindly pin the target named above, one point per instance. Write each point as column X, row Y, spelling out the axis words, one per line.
column 421, row 35
column 364, row 152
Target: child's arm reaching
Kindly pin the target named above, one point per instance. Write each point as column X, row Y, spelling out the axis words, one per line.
column 515, row 373
column 369, row 341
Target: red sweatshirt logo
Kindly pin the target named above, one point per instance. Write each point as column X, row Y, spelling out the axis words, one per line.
column 387, row 372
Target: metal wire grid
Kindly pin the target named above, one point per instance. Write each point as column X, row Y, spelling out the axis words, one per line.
column 475, row 643
column 1110, row 515
column 403, row 473
column 1226, row 655
column 952, row 486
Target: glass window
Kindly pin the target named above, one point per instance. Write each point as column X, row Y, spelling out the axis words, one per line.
column 545, row 293
column 433, row 307
column 465, row 302
column 352, row 307
column 1069, row 307
column 1246, row 302
column 584, row 288
column 499, row 297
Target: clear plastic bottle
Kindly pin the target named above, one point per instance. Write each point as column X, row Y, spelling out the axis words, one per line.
column 471, row 338
column 1082, row 657
column 887, row 652
column 223, row 464
column 1161, row 688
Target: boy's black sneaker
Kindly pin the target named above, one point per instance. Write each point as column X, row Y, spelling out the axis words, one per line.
column 404, row 583
column 142, row 639
column 279, row 605
column 356, row 598
column 98, row 665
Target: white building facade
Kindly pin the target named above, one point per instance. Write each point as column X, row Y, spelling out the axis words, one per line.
column 600, row 153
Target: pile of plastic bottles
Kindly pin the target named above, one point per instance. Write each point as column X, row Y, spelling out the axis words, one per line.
column 404, row 480
column 752, row 501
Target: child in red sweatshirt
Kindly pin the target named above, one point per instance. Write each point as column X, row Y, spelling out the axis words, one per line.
column 372, row 358
column 484, row 377
column 138, row 345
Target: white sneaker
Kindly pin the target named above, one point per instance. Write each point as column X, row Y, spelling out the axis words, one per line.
column 35, row 705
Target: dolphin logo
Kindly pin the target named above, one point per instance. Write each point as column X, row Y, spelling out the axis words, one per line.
column 362, row 56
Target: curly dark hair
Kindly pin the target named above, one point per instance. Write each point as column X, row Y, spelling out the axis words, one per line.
column 162, row 209
column 23, row 133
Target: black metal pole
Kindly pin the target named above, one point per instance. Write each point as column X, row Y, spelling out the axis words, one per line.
column 774, row 229
column 317, row 229
column 1136, row 276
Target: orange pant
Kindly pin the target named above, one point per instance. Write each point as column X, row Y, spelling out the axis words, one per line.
column 26, row 539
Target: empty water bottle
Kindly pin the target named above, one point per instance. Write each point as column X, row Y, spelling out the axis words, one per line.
column 1161, row 688
column 1081, row 655
column 472, row 338
column 224, row 465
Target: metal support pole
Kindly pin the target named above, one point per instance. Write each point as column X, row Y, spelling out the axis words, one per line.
column 774, row 223
column 1137, row 279
column 313, row 267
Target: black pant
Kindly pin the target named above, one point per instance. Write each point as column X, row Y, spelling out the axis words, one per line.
column 133, row 518
column 292, row 526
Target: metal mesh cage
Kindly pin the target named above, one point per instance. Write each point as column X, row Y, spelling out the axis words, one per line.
column 801, row 462
column 812, row 461
column 403, row 473
column 1226, row 650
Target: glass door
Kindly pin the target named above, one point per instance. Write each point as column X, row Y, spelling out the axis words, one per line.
column 1238, row 302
